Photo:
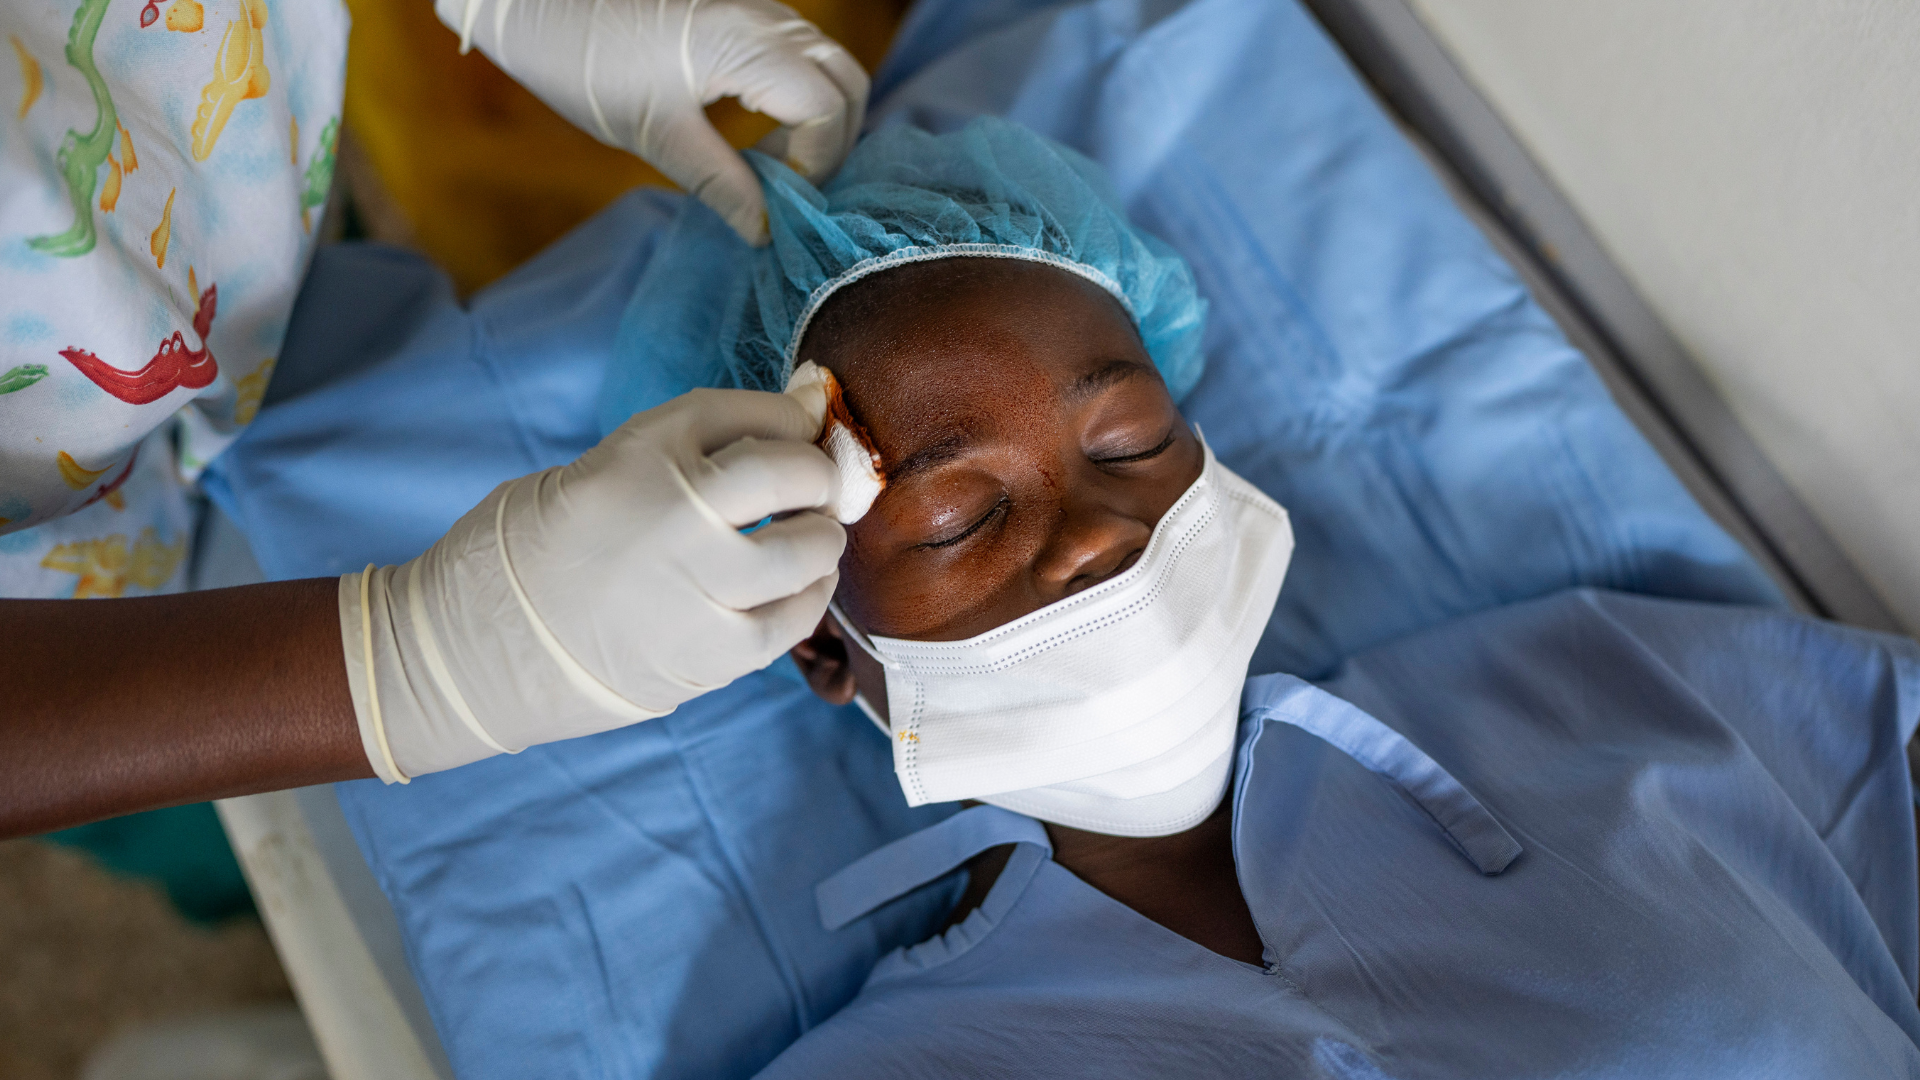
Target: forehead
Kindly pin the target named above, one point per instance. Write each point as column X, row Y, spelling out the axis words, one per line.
column 967, row 336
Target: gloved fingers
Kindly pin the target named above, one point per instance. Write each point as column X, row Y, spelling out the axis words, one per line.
column 459, row 16
column 702, row 421
column 812, row 85
column 753, row 478
column 817, row 147
column 717, row 418
column 811, row 396
column 692, row 154
column 774, row 562
column 787, row 622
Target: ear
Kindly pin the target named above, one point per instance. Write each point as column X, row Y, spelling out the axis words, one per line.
column 822, row 658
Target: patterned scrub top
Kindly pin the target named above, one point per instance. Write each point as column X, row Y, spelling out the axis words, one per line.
column 162, row 170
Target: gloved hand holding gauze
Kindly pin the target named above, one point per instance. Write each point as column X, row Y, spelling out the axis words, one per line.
column 844, row 440
column 636, row 74
column 603, row 592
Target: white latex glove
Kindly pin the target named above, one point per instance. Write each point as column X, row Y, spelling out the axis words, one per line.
column 636, row 73
column 610, row 590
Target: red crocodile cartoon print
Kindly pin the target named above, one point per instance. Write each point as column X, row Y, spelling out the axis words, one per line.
column 173, row 365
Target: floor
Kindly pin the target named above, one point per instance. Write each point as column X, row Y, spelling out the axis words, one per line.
column 85, row 953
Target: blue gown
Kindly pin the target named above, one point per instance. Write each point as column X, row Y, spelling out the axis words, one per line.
column 1593, row 835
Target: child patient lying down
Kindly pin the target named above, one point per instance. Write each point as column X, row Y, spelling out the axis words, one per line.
column 1031, row 449
column 1588, row 835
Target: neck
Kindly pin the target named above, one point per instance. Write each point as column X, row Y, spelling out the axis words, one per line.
column 1186, row 882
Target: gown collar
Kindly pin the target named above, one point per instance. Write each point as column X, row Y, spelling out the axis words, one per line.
column 932, row 853
column 1381, row 750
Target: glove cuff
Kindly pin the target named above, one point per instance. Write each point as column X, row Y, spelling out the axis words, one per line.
column 450, row 663
column 412, row 719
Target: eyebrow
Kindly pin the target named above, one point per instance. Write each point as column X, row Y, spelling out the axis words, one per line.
column 956, row 442
column 1104, row 376
column 951, row 444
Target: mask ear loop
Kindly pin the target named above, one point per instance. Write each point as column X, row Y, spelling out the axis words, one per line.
column 865, row 645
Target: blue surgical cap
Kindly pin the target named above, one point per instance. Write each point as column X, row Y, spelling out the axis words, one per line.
column 711, row 311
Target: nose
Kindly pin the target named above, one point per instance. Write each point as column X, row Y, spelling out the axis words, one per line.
column 1091, row 542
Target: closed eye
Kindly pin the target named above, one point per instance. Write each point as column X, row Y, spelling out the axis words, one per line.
column 1142, row 456
column 991, row 513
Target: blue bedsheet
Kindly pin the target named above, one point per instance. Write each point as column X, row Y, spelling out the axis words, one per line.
column 640, row 903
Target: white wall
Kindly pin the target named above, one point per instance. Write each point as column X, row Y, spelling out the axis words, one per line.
column 1754, row 168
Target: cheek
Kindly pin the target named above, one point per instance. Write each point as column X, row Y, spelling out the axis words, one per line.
column 1186, row 461
column 879, row 587
column 921, row 593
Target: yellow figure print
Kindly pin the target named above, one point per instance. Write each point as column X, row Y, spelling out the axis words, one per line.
column 129, row 161
column 31, row 81
column 105, row 566
column 251, row 388
column 239, row 73
column 117, row 170
column 101, row 564
column 77, row 476
column 153, row 561
column 293, row 140
column 110, row 191
column 162, row 233
column 186, row 16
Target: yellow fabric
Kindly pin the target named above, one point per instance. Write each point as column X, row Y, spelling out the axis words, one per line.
column 483, row 172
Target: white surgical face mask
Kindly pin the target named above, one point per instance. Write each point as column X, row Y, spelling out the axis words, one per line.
column 1113, row 710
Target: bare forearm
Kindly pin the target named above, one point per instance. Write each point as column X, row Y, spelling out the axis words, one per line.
column 112, row 706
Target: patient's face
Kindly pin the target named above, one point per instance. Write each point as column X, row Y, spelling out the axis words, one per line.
column 1029, row 444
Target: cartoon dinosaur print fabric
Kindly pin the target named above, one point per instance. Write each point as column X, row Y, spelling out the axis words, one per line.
column 142, row 143
column 173, row 366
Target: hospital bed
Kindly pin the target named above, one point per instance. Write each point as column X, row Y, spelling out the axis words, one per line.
column 344, row 947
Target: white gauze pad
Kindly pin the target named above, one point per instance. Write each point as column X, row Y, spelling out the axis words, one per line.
column 842, row 437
